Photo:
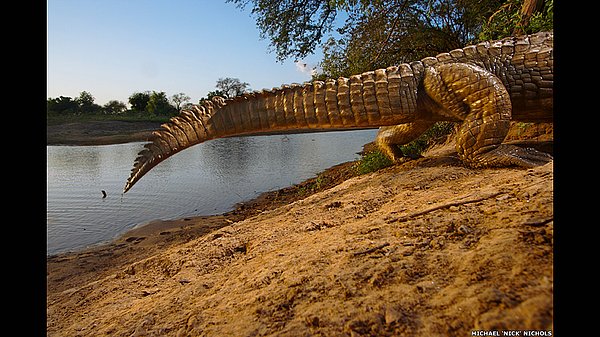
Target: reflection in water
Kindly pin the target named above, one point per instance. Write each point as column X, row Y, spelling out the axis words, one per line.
column 205, row 179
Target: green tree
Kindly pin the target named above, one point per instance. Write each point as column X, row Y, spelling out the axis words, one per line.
column 61, row 105
column 295, row 28
column 179, row 99
column 381, row 33
column 139, row 101
column 158, row 104
column 227, row 88
column 211, row 94
column 231, row 87
column 86, row 104
column 114, row 107
column 378, row 33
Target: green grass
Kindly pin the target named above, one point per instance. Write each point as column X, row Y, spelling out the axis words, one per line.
column 375, row 160
column 320, row 182
column 372, row 161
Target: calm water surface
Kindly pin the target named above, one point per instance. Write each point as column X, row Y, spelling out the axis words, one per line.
column 205, row 179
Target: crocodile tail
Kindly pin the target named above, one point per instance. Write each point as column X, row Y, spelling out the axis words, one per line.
column 369, row 100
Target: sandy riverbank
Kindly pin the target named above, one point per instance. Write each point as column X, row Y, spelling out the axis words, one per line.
column 423, row 248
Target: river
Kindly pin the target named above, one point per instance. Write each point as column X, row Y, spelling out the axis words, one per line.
column 206, row 179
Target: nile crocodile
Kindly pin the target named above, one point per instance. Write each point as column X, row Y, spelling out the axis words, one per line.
column 482, row 86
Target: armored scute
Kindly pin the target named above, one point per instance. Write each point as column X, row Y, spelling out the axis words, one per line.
column 482, row 86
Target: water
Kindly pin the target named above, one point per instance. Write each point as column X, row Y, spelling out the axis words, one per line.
column 205, row 179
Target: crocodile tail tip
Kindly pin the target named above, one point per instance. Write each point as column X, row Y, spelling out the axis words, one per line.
column 151, row 155
column 142, row 166
column 130, row 182
column 180, row 132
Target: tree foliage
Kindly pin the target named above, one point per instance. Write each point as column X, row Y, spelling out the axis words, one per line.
column 231, row 87
column 61, row 105
column 378, row 33
column 381, row 33
column 159, row 104
column 148, row 103
column 139, row 100
column 295, row 27
column 114, row 107
column 151, row 103
column 85, row 102
column 179, row 99
column 516, row 17
column 214, row 93
column 227, row 87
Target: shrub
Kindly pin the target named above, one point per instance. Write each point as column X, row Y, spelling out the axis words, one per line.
column 372, row 161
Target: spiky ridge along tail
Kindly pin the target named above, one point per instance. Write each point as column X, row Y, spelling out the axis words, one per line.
column 372, row 99
column 522, row 66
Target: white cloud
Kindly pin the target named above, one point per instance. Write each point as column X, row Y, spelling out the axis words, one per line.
column 306, row 68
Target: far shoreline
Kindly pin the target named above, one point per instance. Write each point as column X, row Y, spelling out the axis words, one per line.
column 90, row 133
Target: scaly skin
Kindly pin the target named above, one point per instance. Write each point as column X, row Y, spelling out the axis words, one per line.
column 483, row 86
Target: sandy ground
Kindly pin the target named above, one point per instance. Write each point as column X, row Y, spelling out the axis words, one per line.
column 425, row 248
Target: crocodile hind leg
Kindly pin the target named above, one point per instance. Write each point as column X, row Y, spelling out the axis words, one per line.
column 390, row 138
column 481, row 101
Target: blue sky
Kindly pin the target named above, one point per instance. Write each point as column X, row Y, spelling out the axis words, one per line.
column 114, row 48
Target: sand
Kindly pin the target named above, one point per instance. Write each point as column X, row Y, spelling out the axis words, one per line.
column 424, row 248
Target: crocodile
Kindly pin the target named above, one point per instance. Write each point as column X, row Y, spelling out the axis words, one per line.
column 483, row 87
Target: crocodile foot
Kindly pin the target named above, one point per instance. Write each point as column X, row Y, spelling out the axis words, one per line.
column 511, row 155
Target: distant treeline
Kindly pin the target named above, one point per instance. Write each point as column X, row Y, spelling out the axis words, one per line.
column 148, row 103
column 153, row 103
